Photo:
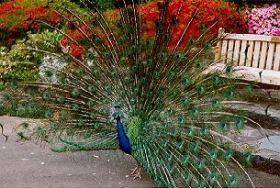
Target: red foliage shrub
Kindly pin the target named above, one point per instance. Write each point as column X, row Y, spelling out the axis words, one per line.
column 77, row 51
column 72, row 39
column 15, row 19
column 208, row 14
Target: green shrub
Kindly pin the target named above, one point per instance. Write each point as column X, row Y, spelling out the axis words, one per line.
column 3, row 110
column 22, row 62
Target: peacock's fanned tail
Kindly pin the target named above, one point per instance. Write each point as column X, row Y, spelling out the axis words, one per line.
column 175, row 114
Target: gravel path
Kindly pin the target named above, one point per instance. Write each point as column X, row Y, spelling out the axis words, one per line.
column 34, row 165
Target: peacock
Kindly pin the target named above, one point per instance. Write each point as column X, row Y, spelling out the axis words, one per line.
column 149, row 95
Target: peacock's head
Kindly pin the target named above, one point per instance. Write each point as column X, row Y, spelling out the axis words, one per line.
column 117, row 113
column 133, row 123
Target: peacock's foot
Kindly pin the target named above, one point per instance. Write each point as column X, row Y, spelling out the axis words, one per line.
column 136, row 173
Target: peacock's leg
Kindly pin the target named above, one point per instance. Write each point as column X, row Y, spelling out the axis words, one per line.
column 136, row 173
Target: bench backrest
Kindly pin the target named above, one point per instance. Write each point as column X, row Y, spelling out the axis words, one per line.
column 249, row 50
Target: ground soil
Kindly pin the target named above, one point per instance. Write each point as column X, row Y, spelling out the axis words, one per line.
column 34, row 165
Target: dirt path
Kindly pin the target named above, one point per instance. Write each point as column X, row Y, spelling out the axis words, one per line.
column 31, row 165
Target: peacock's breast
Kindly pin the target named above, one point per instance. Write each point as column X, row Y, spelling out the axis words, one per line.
column 134, row 127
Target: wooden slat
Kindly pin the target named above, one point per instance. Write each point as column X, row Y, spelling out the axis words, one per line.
column 256, row 56
column 249, row 55
column 270, row 55
column 218, row 47
column 224, row 51
column 275, row 39
column 251, row 37
column 230, row 51
column 242, row 52
column 217, row 51
column 276, row 65
column 236, row 52
column 263, row 55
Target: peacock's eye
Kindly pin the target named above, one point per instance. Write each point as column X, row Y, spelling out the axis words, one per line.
column 229, row 69
column 123, row 61
column 75, row 107
column 162, row 56
column 224, row 126
column 92, row 115
column 187, row 81
column 195, row 112
column 185, row 102
column 48, row 114
column 171, row 75
column 54, row 126
column 228, row 154
column 174, row 94
column 232, row 181
column 181, row 119
column 216, row 80
column 239, row 123
column 92, row 89
column 64, row 115
column 81, row 123
column 49, row 73
column 215, row 103
column 186, row 178
column 213, row 154
column 200, row 89
column 47, row 95
column 200, row 164
column 61, row 100
column 75, row 92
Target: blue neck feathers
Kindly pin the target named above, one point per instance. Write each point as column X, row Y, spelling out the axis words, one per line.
column 124, row 142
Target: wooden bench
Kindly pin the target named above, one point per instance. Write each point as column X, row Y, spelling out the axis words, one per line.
column 254, row 57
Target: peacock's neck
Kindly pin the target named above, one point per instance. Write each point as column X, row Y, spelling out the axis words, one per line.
column 128, row 137
column 120, row 128
column 123, row 139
